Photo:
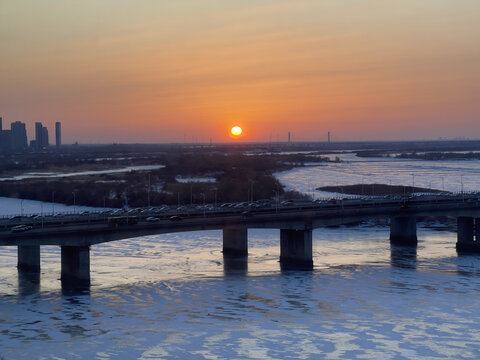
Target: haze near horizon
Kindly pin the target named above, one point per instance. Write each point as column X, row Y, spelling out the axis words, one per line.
column 161, row 71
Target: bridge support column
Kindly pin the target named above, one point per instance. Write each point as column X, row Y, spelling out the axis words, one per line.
column 235, row 241
column 403, row 230
column 477, row 229
column 296, row 248
column 28, row 257
column 75, row 265
column 467, row 228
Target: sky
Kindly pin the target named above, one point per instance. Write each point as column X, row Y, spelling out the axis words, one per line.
column 117, row 71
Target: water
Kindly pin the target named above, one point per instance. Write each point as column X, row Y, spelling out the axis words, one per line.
column 445, row 175
column 174, row 297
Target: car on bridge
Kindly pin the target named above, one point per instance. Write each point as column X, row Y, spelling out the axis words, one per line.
column 20, row 228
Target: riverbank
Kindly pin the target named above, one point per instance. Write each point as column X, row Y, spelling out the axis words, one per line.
column 376, row 189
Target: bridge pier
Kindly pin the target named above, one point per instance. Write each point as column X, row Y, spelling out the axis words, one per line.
column 75, row 265
column 468, row 235
column 235, row 241
column 296, row 248
column 403, row 230
column 28, row 258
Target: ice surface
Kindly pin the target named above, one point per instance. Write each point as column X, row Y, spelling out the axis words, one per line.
column 175, row 297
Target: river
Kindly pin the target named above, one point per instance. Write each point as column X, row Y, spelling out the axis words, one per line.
column 174, row 297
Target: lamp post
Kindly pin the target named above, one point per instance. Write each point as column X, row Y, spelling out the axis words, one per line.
column 148, row 191
column 73, row 193
column 461, row 182
column 413, row 183
column 276, row 200
column 53, row 202
column 251, row 189
column 203, row 195
column 215, row 204
column 21, row 207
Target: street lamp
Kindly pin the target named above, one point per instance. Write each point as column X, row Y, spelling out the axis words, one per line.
column 148, row 191
column 73, row 193
column 461, row 182
column 21, row 207
column 53, row 202
column 203, row 195
column 251, row 187
column 413, row 183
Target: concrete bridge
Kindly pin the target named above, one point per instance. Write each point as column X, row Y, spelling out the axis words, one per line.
column 75, row 234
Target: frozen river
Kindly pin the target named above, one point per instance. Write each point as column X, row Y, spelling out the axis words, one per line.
column 173, row 296
column 442, row 175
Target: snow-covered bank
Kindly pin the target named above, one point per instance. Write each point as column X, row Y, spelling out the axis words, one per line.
column 10, row 206
column 49, row 175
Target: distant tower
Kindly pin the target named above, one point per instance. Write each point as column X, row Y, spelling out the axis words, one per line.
column 329, row 137
column 289, row 136
column 38, row 136
column 19, row 136
column 45, row 141
column 58, row 135
column 1, row 124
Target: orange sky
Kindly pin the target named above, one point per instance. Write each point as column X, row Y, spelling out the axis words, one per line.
column 169, row 71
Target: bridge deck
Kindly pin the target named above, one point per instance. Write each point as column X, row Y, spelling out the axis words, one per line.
column 83, row 230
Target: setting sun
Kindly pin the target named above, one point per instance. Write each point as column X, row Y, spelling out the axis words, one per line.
column 236, row 131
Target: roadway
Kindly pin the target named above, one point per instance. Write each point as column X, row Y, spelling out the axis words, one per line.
column 95, row 227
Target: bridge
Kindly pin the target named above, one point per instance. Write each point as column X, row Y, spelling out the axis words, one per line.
column 76, row 233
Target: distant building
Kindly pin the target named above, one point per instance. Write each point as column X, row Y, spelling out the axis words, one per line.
column 45, row 142
column 38, row 136
column 329, row 137
column 289, row 136
column 19, row 136
column 13, row 140
column 58, row 135
column 5, row 141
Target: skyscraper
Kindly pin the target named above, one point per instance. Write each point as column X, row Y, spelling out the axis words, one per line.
column 45, row 142
column 58, row 134
column 38, row 136
column 1, row 124
column 19, row 136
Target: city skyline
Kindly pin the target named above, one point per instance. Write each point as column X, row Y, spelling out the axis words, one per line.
column 119, row 72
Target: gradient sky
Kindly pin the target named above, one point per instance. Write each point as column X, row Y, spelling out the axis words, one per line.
column 170, row 71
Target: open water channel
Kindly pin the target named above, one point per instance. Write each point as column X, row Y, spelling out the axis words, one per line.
column 174, row 297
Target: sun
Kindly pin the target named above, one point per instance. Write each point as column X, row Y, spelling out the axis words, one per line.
column 236, row 130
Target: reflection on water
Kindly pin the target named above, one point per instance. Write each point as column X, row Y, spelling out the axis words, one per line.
column 404, row 257
column 235, row 265
column 176, row 297
column 28, row 282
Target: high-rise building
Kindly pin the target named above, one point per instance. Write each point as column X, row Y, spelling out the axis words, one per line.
column 5, row 141
column 1, row 124
column 58, row 134
column 45, row 142
column 19, row 136
column 38, row 136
